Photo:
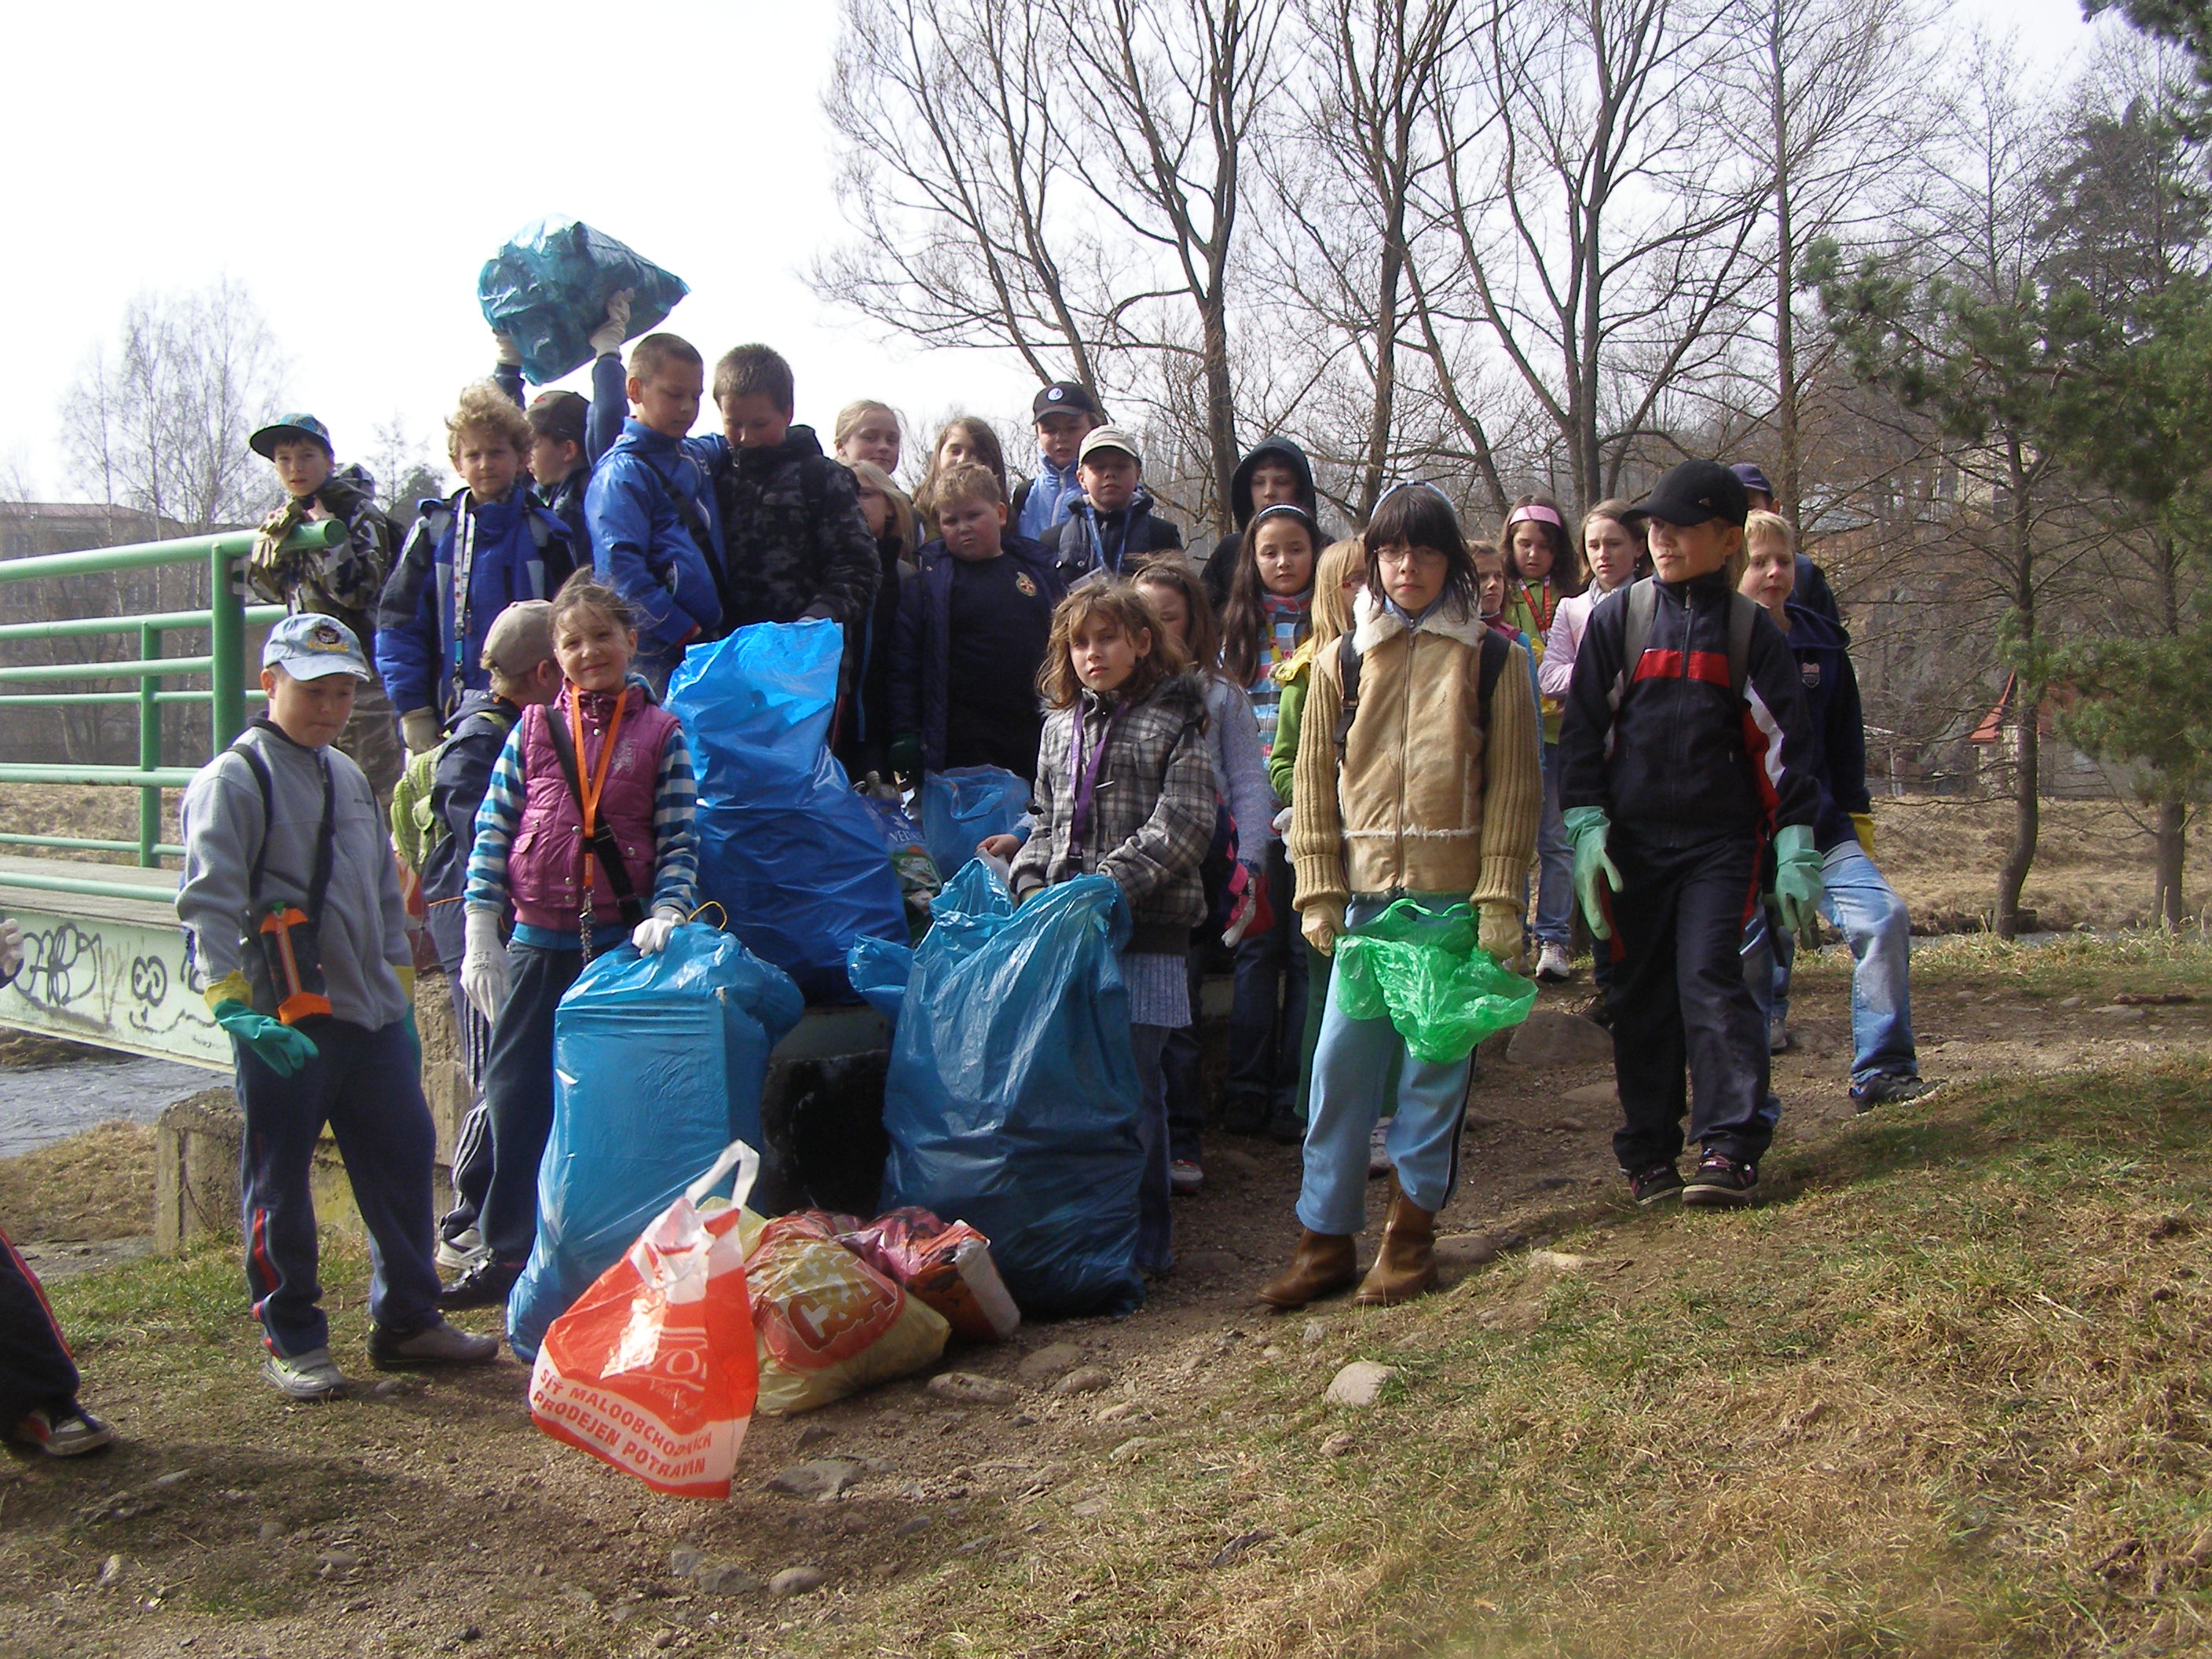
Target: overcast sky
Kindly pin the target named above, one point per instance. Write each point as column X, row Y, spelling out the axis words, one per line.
column 353, row 165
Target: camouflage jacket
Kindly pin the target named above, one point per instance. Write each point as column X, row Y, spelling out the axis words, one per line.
column 795, row 543
column 346, row 581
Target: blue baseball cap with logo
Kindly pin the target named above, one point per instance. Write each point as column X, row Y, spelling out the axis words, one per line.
column 308, row 647
column 264, row 443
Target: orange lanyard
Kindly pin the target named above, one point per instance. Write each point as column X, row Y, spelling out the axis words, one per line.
column 1543, row 616
column 591, row 784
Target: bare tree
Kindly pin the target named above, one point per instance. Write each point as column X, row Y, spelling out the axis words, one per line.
column 162, row 424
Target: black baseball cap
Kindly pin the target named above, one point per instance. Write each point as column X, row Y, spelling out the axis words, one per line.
column 1064, row 396
column 1696, row 492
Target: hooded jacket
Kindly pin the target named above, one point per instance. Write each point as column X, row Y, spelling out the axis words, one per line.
column 1151, row 814
column 1664, row 745
column 795, row 543
column 1221, row 564
column 1424, row 800
column 640, row 545
column 1043, row 501
column 518, row 550
column 1088, row 541
column 1834, row 719
column 922, row 647
column 346, row 580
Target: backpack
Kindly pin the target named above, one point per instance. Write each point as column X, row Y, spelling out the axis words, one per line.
column 1635, row 631
column 417, row 827
column 1496, row 652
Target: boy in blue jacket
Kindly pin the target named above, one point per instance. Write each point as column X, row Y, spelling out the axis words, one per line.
column 973, row 624
column 1864, row 908
column 656, row 529
column 465, row 560
column 1684, row 749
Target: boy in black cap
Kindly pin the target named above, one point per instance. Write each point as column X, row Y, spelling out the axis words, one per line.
column 1064, row 413
column 343, row 581
column 1683, row 753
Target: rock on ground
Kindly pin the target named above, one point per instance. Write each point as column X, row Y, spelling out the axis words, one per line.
column 1359, row 1384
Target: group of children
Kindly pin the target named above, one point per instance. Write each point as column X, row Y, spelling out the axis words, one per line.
column 1263, row 750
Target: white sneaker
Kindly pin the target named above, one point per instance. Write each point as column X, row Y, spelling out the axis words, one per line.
column 460, row 1254
column 1552, row 965
column 1184, row 1175
column 310, row 1375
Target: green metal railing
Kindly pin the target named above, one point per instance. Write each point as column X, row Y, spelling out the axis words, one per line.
column 223, row 666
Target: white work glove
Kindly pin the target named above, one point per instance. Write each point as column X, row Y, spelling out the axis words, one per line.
column 11, row 949
column 483, row 964
column 1282, row 823
column 651, row 935
column 1497, row 931
column 510, row 354
column 609, row 335
column 420, row 730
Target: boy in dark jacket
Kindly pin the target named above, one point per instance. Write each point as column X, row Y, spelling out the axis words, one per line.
column 1110, row 527
column 973, row 624
column 1275, row 474
column 346, row 581
column 656, row 529
column 1677, row 767
column 466, row 559
column 569, row 432
column 1863, row 907
column 795, row 545
column 518, row 656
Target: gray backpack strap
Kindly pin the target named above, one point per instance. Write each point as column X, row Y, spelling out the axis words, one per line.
column 1347, row 660
column 1636, row 629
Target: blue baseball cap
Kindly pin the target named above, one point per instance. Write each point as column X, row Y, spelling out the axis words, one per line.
column 264, row 443
column 308, row 647
column 1751, row 476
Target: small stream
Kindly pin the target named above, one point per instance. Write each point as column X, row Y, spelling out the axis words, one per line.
column 41, row 1104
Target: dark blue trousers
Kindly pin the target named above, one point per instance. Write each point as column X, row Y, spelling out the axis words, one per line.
column 367, row 1086
column 1267, row 1018
column 518, row 1091
column 35, row 1367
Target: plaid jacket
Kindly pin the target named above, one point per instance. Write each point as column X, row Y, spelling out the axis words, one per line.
column 1152, row 815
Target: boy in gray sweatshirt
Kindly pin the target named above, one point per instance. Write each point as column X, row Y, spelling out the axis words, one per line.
column 297, row 936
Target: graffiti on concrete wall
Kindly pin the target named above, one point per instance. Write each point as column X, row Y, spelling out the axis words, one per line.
column 120, row 984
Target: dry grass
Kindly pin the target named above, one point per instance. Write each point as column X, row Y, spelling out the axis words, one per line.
column 97, row 1185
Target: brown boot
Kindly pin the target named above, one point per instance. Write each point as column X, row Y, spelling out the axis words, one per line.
column 1323, row 1262
column 1406, row 1266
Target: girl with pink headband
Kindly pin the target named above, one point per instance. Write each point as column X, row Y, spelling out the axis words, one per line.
column 1542, row 569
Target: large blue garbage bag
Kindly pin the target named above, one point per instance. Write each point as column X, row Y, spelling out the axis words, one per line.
column 547, row 290
column 964, row 806
column 657, row 1064
column 879, row 970
column 785, row 845
column 1011, row 1100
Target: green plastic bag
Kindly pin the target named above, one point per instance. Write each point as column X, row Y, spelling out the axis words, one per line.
column 1423, row 971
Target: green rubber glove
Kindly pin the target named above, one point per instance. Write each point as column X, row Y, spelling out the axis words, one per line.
column 1587, row 828
column 1797, row 878
column 276, row 1044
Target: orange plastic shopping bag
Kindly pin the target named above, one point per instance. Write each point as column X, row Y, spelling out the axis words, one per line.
column 653, row 1369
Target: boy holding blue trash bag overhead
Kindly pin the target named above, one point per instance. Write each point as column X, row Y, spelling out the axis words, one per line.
column 1418, row 777
column 294, row 929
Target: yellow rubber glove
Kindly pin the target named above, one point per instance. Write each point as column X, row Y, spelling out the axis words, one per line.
column 1321, row 922
column 1863, row 827
column 231, row 987
column 406, row 980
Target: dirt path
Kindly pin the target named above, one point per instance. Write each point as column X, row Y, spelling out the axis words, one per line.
column 427, row 1515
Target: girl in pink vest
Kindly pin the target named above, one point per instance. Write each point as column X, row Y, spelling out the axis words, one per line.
column 586, row 829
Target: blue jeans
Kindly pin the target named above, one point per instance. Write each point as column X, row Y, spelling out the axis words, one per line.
column 1350, row 1062
column 1555, row 862
column 367, row 1086
column 1874, row 921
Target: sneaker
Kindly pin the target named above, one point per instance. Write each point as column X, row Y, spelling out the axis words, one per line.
column 1720, row 1180
column 1378, row 1152
column 1650, row 1186
column 1185, row 1176
column 1551, row 965
column 69, row 1433
column 462, row 1251
column 310, row 1375
column 435, row 1343
column 1777, row 1035
column 485, row 1286
column 1891, row 1088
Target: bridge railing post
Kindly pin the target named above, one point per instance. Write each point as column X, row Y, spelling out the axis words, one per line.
column 227, row 647
column 150, row 750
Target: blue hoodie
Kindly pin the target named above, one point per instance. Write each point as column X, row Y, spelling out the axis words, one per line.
column 1045, row 499
column 1822, row 648
column 521, row 551
column 641, row 547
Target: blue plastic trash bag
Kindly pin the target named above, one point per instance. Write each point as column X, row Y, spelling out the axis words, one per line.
column 788, row 850
column 1011, row 1099
column 1423, row 969
column 917, row 871
column 657, row 1064
column 547, row 290
column 879, row 970
column 964, row 806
